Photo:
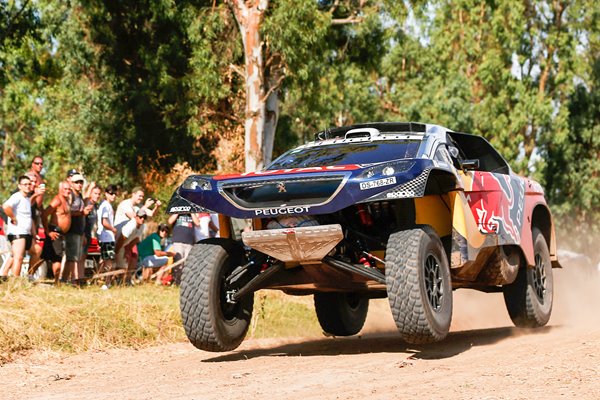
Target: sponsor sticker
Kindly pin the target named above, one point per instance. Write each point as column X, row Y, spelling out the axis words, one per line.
column 401, row 194
column 180, row 209
column 378, row 183
column 282, row 210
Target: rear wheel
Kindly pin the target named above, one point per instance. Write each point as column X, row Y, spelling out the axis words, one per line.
column 529, row 298
column 210, row 321
column 418, row 285
column 341, row 314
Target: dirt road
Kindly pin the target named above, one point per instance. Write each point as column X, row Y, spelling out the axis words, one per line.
column 483, row 358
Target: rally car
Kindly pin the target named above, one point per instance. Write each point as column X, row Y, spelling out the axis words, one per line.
column 407, row 211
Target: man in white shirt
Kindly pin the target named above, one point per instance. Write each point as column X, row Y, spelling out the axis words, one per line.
column 128, row 207
column 128, row 236
column 107, row 232
column 19, row 230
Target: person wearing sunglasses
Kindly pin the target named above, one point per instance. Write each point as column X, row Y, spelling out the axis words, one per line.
column 37, row 165
column 152, row 254
column 20, row 226
column 74, row 237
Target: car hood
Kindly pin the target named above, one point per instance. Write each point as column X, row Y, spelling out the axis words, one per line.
column 313, row 190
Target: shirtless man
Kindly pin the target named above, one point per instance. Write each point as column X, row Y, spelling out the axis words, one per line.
column 59, row 212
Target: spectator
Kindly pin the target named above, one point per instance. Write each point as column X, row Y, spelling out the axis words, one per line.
column 128, row 236
column 183, row 232
column 19, row 228
column 37, row 164
column 214, row 217
column 184, row 226
column 35, row 249
column 107, row 232
column 74, row 237
column 127, row 210
column 206, row 228
column 90, row 202
column 152, row 254
column 128, row 207
column 59, row 223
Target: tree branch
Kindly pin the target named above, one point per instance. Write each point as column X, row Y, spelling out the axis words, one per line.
column 274, row 87
column 347, row 21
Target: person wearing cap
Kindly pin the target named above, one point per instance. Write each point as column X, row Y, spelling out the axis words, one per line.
column 70, row 174
column 127, row 208
column 128, row 236
column 152, row 254
column 74, row 237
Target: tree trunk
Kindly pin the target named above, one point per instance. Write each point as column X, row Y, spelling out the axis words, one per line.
column 258, row 136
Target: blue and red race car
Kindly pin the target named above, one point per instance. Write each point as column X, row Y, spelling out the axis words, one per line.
column 406, row 211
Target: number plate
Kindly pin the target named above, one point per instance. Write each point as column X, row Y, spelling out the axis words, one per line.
column 377, row 183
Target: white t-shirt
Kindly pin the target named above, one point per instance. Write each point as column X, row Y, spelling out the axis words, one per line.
column 21, row 208
column 105, row 211
column 215, row 220
column 130, row 231
column 121, row 217
column 202, row 231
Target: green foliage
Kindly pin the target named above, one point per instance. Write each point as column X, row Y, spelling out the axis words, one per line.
column 129, row 91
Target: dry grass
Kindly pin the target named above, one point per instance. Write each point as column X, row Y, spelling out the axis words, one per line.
column 70, row 320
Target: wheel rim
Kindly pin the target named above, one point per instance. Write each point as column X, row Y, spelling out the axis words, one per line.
column 433, row 282
column 539, row 278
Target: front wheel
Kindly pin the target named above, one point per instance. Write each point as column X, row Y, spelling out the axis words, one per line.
column 529, row 298
column 418, row 284
column 211, row 322
column 341, row 314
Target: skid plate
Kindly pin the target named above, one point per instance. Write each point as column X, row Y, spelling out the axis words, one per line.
column 306, row 245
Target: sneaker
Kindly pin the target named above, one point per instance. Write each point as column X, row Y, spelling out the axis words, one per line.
column 104, row 287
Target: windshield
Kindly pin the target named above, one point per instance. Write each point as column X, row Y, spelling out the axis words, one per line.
column 346, row 153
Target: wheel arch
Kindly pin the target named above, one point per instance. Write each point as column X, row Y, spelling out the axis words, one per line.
column 541, row 218
column 441, row 181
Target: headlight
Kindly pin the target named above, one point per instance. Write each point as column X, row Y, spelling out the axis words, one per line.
column 196, row 182
column 387, row 169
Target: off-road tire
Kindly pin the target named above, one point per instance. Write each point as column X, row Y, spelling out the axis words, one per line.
column 529, row 298
column 341, row 314
column 210, row 322
column 418, row 284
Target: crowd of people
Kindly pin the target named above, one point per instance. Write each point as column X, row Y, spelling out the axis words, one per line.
column 60, row 232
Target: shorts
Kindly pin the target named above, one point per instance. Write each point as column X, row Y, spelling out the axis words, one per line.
column 154, row 261
column 74, row 246
column 28, row 239
column 182, row 249
column 107, row 250
column 53, row 249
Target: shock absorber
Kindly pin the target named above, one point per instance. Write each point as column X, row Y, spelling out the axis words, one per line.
column 364, row 215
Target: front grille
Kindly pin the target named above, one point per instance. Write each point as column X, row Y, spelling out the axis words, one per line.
column 280, row 192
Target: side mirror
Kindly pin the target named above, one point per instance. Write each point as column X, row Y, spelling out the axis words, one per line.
column 470, row 164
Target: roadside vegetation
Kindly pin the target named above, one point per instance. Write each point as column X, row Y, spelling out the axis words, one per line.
column 40, row 317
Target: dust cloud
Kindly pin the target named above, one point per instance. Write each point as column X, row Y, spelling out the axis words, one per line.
column 576, row 301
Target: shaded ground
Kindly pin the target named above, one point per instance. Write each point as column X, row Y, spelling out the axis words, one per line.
column 483, row 358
